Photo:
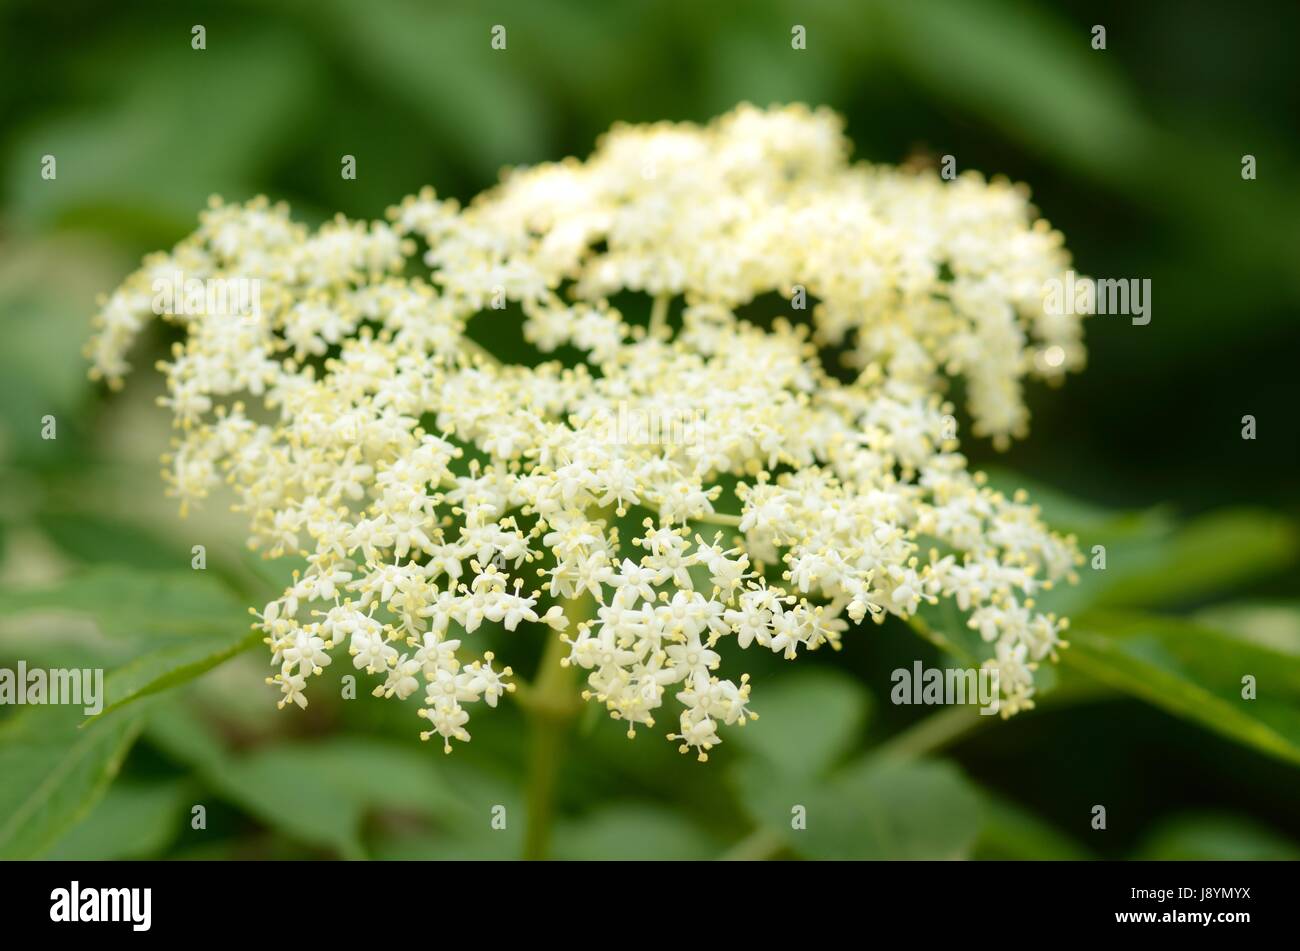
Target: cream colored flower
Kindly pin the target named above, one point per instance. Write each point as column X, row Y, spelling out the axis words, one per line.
column 430, row 487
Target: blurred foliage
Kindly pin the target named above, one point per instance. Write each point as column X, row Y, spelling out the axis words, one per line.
column 1133, row 152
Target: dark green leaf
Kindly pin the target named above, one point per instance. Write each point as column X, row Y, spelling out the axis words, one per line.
column 1209, row 837
column 1010, row 832
column 1196, row 672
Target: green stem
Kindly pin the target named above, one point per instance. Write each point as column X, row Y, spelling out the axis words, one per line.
column 659, row 316
column 551, row 703
column 718, row 518
column 759, row 845
column 941, row 641
column 933, row 732
column 474, row 348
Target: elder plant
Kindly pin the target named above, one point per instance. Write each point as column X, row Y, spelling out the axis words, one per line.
column 433, row 489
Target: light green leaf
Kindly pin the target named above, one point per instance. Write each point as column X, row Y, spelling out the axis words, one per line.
column 420, row 56
column 833, row 704
column 116, row 159
column 54, row 773
column 137, row 605
column 275, row 790
column 633, row 831
column 173, row 665
column 95, row 538
column 1151, row 560
column 1208, row 555
column 876, row 808
column 187, row 621
column 1195, row 672
column 132, row 821
column 1272, row 625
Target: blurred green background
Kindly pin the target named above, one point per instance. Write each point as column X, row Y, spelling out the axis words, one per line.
column 1134, row 152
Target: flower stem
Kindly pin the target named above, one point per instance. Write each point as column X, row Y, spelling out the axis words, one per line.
column 758, row 846
column 473, row 348
column 659, row 316
column 718, row 518
column 933, row 732
column 552, row 704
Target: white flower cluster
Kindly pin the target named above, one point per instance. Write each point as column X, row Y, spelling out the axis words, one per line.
column 917, row 274
column 424, row 481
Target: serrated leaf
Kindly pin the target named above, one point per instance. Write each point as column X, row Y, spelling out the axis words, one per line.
column 132, row 821
column 173, row 665
column 54, row 773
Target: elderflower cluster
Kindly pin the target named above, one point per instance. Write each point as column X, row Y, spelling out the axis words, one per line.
column 432, row 489
column 923, row 276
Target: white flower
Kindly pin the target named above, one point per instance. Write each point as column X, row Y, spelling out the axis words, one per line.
column 427, row 485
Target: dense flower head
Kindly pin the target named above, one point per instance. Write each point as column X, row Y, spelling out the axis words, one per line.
column 433, row 490
column 918, row 274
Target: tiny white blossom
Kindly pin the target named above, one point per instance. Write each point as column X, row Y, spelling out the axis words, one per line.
column 428, row 486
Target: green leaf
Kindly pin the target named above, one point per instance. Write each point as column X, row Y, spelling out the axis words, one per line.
column 1151, row 560
column 468, row 833
column 317, row 793
column 1010, row 832
column 375, row 773
column 1208, row 555
column 1209, row 837
column 832, row 703
column 1024, row 70
column 172, row 666
column 1272, row 625
column 116, row 158
column 278, row 792
column 187, row 621
column 138, row 605
column 1196, row 672
column 132, row 821
column 420, row 57
column 633, row 831
column 54, row 773
column 876, row 808
column 97, row 539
